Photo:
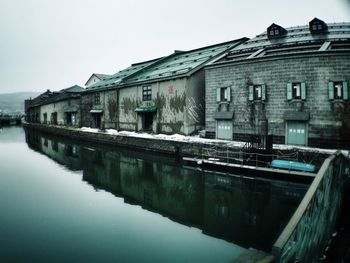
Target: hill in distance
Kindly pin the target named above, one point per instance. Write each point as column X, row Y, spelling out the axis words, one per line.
column 14, row 102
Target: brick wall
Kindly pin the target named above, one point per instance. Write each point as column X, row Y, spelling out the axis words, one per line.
column 328, row 120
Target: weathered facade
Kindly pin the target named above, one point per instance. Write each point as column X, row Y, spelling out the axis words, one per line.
column 291, row 83
column 100, row 102
column 32, row 107
column 165, row 95
column 56, row 108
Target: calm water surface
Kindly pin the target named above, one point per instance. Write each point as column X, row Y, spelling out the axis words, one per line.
column 65, row 201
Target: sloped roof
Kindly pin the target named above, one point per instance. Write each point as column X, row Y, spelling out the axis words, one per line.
column 74, row 89
column 297, row 40
column 50, row 97
column 37, row 101
column 114, row 79
column 174, row 65
column 101, row 76
column 98, row 75
column 181, row 62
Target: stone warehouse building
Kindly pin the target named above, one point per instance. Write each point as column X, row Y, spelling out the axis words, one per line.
column 32, row 107
column 288, row 82
column 99, row 102
column 165, row 95
column 56, row 108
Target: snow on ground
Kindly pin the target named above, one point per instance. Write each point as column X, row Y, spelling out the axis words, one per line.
column 87, row 129
column 308, row 149
column 173, row 137
column 197, row 139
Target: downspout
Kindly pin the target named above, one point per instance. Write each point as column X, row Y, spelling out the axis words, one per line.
column 158, row 111
column 80, row 110
column 118, row 117
column 185, row 113
column 104, row 110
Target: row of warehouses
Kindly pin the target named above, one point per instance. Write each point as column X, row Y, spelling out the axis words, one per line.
column 291, row 83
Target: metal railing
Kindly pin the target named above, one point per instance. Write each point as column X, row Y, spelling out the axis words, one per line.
column 244, row 156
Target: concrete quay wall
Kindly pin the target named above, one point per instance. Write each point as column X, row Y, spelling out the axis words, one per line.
column 174, row 148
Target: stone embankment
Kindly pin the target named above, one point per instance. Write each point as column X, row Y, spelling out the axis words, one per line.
column 174, row 145
column 171, row 147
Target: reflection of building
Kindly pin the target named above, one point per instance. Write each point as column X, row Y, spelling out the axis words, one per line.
column 164, row 188
column 101, row 169
column 244, row 210
column 63, row 153
column 239, row 210
column 33, row 140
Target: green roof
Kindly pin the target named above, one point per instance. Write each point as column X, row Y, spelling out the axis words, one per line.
column 178, row 63
column 116, row 78
column 146, row 109
column 74, row 88
column 181, row 62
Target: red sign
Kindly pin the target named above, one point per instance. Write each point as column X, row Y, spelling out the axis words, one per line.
column 171, row 90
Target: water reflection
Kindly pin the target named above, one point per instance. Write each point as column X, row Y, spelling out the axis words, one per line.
column 245, row 211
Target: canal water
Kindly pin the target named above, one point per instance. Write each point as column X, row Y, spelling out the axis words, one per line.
column 69, row 201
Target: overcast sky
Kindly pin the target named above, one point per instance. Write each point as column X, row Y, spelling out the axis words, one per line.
column 47, row 44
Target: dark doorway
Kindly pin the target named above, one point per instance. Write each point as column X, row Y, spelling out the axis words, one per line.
column 147, row 121
column 54, row 118
column 69, row 118
column 97, row 121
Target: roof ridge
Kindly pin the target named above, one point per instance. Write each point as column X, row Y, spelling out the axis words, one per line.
column 147, row 61
column 213, row 45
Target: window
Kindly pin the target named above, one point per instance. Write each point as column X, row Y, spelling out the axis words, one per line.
column 146, row 93
column 338, row 90
column 97, row 98
column 223, row 94
column 276, row 31
column 318, row 26
column 296, row 91
column 257, row 92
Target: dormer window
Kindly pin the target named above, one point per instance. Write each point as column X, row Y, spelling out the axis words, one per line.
column 275, row 31
column 317, row 26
